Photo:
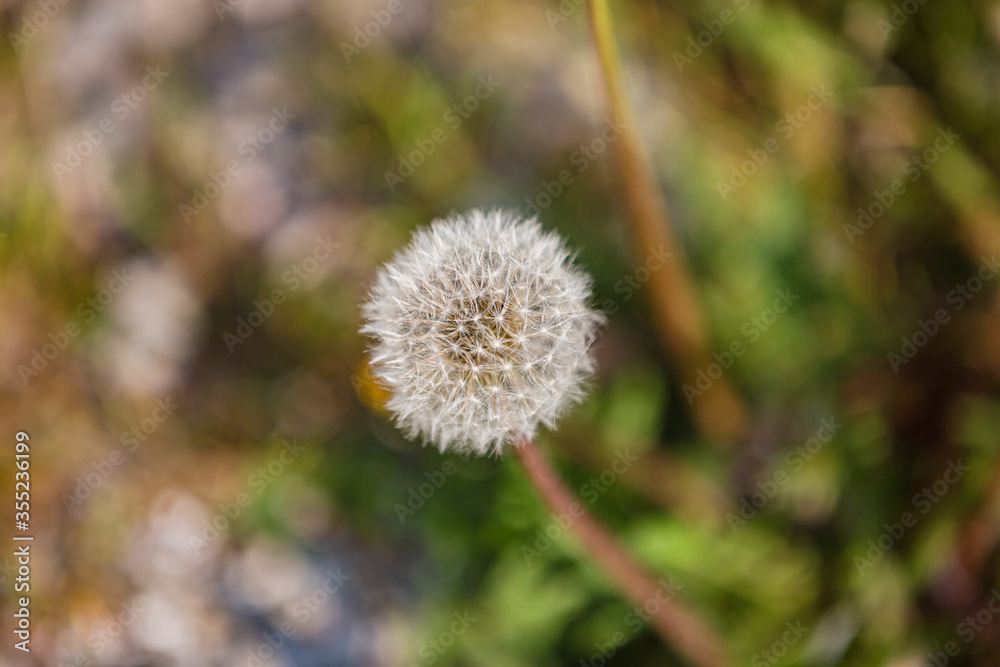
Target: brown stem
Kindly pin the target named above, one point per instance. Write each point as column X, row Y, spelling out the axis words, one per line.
column 676, row 624
column 720, row 413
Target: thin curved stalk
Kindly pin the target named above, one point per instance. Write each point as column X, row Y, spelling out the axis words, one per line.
column 679, row 627
column 720, row 412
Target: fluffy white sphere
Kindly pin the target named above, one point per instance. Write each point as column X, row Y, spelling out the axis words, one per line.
column 482, row 331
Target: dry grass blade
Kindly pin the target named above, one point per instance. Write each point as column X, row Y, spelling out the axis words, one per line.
column 720, row 412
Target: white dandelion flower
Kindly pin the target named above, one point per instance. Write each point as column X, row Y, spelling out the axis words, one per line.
column 482, row 331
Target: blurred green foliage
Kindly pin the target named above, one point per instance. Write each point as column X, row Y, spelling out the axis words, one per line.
column 301, row 372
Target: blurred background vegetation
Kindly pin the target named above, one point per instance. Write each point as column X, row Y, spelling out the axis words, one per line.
column 194, row 196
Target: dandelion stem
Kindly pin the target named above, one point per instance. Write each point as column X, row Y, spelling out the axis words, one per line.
column 677, row 625
column 720, row 412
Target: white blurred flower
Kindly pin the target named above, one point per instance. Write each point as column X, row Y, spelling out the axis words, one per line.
column 482, row 331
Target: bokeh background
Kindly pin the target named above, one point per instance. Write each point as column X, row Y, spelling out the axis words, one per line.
column 194, row 196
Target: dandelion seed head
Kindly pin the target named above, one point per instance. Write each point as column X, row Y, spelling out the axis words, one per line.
column 481, row 331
